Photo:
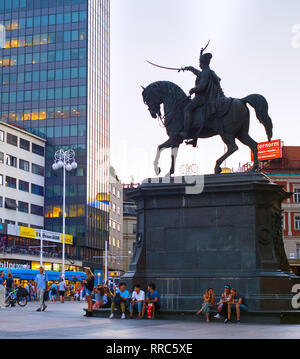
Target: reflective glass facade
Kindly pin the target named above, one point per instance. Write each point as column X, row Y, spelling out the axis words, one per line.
column 54, row 80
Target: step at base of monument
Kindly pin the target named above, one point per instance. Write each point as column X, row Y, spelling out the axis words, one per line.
column 259, row 317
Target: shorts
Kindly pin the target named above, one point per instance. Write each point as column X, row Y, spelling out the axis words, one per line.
column 62, row 293
column 88, row 292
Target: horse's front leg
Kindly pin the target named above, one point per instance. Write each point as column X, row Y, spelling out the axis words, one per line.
column 160, row 149
column 173, row 161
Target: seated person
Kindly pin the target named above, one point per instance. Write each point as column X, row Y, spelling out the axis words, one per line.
column 102, row 295
column 209, row 303
column 137, row 301
column 237, row 303
column 152, row 297
column 120, row 299
column 223, row 304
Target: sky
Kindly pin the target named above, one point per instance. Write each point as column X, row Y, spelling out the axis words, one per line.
column 256, row 49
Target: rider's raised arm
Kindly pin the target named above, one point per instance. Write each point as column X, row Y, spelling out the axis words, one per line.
column 193, row 70
column 204, row 81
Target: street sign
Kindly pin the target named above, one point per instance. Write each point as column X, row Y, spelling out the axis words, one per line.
column 268, row 151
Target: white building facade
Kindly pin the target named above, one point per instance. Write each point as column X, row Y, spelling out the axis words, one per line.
column 22, row 177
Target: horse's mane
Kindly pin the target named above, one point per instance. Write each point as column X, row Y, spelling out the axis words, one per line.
column 169, row 88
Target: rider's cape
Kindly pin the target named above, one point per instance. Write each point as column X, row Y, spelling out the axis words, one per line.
column 216, row 104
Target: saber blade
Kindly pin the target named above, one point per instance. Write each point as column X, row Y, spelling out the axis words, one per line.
column 164, row 67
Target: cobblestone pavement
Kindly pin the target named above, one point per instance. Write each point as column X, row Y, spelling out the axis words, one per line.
column 66, row 321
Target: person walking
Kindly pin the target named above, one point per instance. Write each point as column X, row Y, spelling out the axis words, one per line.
column 41, row 284
column 62, row 290
column 2, row 290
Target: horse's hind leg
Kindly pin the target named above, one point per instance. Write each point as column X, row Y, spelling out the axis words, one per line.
column 248, row 141
column 232, row 147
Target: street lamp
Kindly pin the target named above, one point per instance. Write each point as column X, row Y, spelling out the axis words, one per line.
column 66, row 160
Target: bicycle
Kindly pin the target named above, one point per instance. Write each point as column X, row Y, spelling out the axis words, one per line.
column 17, row 295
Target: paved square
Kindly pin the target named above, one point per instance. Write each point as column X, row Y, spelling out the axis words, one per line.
column 66, row 321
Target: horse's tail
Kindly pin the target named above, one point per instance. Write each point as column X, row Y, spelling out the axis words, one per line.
column 260, row 104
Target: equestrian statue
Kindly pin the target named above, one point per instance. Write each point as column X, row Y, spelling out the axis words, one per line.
column 209, row 113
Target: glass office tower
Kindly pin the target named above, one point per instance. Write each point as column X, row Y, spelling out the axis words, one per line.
column 54, row 80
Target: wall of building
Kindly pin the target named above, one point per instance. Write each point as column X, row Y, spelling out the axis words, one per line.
column 116, row 250
column 30, row 198
column 286, row 172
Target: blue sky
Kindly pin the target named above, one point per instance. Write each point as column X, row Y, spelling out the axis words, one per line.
column 254, row 51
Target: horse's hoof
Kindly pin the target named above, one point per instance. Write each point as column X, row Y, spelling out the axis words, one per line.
column 218, row 170
column 157, row 171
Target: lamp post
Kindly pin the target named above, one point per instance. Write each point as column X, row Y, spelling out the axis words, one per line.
column 66, row 161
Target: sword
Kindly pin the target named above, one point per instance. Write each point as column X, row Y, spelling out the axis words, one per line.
column 166, row 68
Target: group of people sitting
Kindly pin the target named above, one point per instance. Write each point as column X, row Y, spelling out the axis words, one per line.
column 118, row 297
column 230, row 302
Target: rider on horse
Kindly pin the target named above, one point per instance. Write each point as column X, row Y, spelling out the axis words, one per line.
column 209, row 97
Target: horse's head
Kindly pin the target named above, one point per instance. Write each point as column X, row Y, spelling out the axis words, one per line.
column 162, row 92
column 153, row 99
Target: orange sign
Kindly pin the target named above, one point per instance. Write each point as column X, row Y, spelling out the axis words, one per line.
column 268, row 151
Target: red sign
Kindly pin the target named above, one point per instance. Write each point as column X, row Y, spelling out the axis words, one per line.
column 268, row 151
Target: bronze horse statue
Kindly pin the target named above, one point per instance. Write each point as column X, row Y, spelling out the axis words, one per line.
column 234, row 125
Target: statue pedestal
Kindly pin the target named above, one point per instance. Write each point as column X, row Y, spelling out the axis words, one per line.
column 228, row 234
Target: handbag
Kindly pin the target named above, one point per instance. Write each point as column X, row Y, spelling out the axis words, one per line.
column 117, row 299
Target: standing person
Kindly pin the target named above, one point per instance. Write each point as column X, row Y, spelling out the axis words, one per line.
column 62, row 290
column 237, row 303
column 28, row 288
column 89, row 287
column 152, row 297
column 9, row 286
column 9, row 283
column 41, row 284
column 209, row 302
column 2, row 290
column 137, row 301
column 53, row 292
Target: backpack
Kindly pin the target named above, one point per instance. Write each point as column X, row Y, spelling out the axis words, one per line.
column 53, row 291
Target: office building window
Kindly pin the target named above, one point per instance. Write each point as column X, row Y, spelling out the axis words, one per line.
column 297, row 195
column 11, row 161
column 23, row 186
column 7, row 221
column 37, row 210
column 1, row 201
column 24, row 165
column 21, row 224
column 1, row 180
column 1, row 157
column 23, row 207
column 37, row 169
column 298, row 251
column 36, row 189
column 297, row 223
column 24, row 144
column 2, row 137
column 10, row 203
column 11, row 182
column 11, row 139
column 39, row 150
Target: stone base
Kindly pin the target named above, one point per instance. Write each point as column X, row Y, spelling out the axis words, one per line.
column 229, row 233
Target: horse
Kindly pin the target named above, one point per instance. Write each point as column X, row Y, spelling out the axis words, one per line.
column 233, row 125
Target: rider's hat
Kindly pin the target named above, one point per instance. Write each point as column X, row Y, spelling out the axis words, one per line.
column 205, row 59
